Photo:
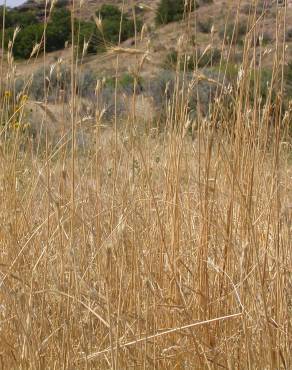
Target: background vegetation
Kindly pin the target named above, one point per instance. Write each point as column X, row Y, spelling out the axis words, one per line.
column 58, row 30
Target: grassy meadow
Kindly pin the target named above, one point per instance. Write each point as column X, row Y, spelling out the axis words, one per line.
column 145, row 231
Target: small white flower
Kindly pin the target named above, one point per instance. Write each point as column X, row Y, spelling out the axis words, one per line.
column 240, row 75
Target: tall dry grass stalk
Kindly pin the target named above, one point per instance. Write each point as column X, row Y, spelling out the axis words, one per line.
column 150, row 249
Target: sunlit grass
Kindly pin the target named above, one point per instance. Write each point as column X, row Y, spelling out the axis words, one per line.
column 157, row 243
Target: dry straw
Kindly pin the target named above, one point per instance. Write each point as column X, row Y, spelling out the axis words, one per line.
column 160, row 243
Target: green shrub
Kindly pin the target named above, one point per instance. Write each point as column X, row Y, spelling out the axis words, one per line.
column 172, row 11
column 266, row 38
column 59, row 79
column 25, row 40
column 167, row 83
column 233, row 32
column 14, row 17
column 126, row 83
column 111, row 28
column 211, row 57
column 258, row 78
column 259, row 8
column 86, row 83
column 205, row 26
column 171, row 60
column 205, row 2
column 110, row 11
column 288, row 80
column 88, row 32
column 247, row 9
column 201, row 60
column 289, row 34
column 62, row 3
column 112, row 25
column 58, row 32
column 29, row 34
column 262, row 79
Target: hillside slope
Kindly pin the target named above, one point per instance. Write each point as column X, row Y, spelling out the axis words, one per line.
column 162, row 40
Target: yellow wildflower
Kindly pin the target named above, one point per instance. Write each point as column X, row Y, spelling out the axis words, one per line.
column 24, row 98
column 16, row 125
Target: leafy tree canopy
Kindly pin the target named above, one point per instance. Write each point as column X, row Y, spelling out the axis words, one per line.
column 58, row 31
column 172, row 11
column 15, row 18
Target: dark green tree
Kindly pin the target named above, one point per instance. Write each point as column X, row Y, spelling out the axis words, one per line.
column 26, row 39
column 172, row 10
column 58, row 30
column 15, row 18
column 110, row 11
column 113, row 22
column 57, row 33
column 88, row 32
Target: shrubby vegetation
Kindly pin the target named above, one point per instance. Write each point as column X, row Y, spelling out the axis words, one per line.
column 126, row 82
column 111, row 19
column 204, row 26
column 115, row 27
column 288, row 83
column 233, row 33
column 59, row 81
column 258, row 8
column 15, row 18
column 57, row 33
column 164, row 87
column 289, row 34
column 159, row 88
column 171, row 11
column 58, row 30
column 201, row 60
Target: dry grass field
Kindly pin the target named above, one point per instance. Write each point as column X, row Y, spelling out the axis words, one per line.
column 146, row 242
